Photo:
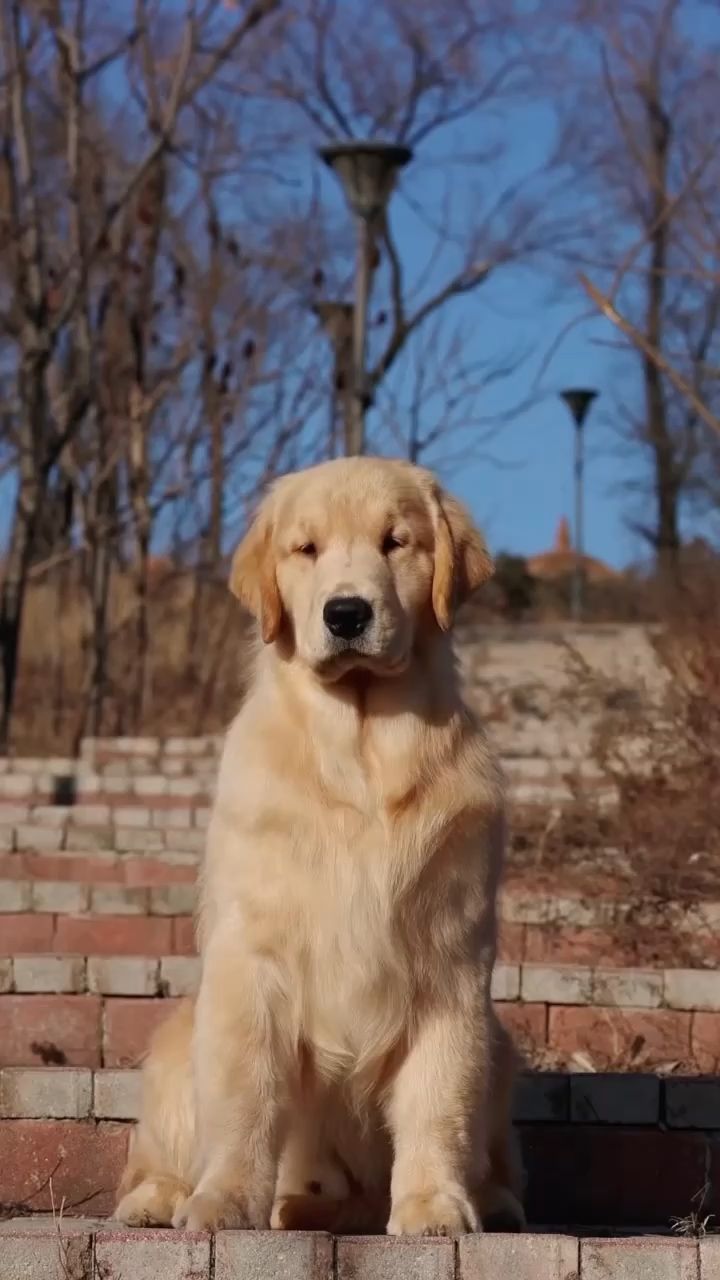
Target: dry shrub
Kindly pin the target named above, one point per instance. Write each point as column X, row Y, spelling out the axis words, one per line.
column 196, row 664
column 670, row 795
column 660, row 748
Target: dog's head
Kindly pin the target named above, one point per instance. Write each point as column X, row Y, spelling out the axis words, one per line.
column 353, row 560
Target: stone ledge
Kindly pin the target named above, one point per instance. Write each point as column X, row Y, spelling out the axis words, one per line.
column 101, row 1026
column 620, row 988
column 675, row 1102
column 594, row 1174
column 93, row 1249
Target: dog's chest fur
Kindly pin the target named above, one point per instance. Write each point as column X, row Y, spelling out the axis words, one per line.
column 360, row 870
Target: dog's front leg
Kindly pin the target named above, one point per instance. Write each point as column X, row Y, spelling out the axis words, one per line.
column 436, row 1112
column 239, row 1083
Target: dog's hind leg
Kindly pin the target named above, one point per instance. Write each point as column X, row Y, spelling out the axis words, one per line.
column 148, row 1197
column 317, row 1190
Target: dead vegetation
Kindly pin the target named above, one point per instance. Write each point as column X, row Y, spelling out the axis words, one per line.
column 697, row 1223
column 660, row 749
column 196, row 659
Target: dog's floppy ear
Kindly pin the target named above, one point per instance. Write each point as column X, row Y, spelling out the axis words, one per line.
column 462, row 561
column 252, row 575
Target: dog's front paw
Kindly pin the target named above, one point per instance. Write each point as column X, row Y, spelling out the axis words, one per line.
column 212, row 1211
column 153, row 1203
column 433, row 1213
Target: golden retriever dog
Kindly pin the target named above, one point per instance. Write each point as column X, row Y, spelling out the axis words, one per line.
column 342, row 1066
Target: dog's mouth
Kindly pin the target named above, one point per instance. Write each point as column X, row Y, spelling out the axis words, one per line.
column 344, row 661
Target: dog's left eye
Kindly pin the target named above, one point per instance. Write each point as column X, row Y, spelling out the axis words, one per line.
column 307, row 549
column 391, row 543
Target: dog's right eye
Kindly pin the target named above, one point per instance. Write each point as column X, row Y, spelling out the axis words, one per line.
column 307, row 549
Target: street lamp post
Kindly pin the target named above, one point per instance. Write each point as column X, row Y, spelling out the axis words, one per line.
column 336, row 319
column 578, row 401
column 367, row 172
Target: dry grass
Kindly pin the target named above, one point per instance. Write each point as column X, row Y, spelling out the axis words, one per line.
column 195, row 664
column 662, row 753
column 696, row 1224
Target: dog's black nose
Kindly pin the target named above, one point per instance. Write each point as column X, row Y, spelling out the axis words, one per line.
column 347, row 616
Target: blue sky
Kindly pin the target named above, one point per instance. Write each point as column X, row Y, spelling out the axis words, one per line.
column 520, row 495
column 529, row 487
column 523, row 490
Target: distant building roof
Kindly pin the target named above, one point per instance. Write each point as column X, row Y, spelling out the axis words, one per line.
column 560, row 561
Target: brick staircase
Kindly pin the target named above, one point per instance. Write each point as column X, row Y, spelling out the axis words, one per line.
column 84, row 1249
column 615, row 1006
column 629, row 1150
column 99, row 1010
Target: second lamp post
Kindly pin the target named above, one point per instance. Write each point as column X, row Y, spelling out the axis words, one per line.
column 578, row 401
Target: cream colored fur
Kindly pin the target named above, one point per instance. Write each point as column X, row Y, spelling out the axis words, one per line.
column 342, row 1066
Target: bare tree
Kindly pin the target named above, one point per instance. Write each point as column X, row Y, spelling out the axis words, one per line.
column 162, row 357
column 651, row 238
column 436, row 411
column 429, row 77
column 61, row 222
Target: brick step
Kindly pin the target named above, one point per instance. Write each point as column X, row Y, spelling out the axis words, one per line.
column 518, row 763
column 151, row 893
column 540, row 766
column 42, row 1248
column 562, row 1098
column 40, row 933
column 30, row 878
column 118, row 903
column 577, row 1171
column 101, row 1010
column 175, row 755
column 41, row 793
column 49, row 790
column 533, row 763
column 531, row 780
column 572, row 985
column 74, row 834
column 125, row 828
column 628, row 943
column 78, row 1030
column 90, row 869
column 612, row 1018
column 99, row 975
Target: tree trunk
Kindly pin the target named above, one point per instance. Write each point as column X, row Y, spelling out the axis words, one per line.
column 142, row 629
column 139, row 471
column 100, row 590
column 100, row 533
column 12, row 599
column 28, row 511
column 217, row 487
column 667, row 531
